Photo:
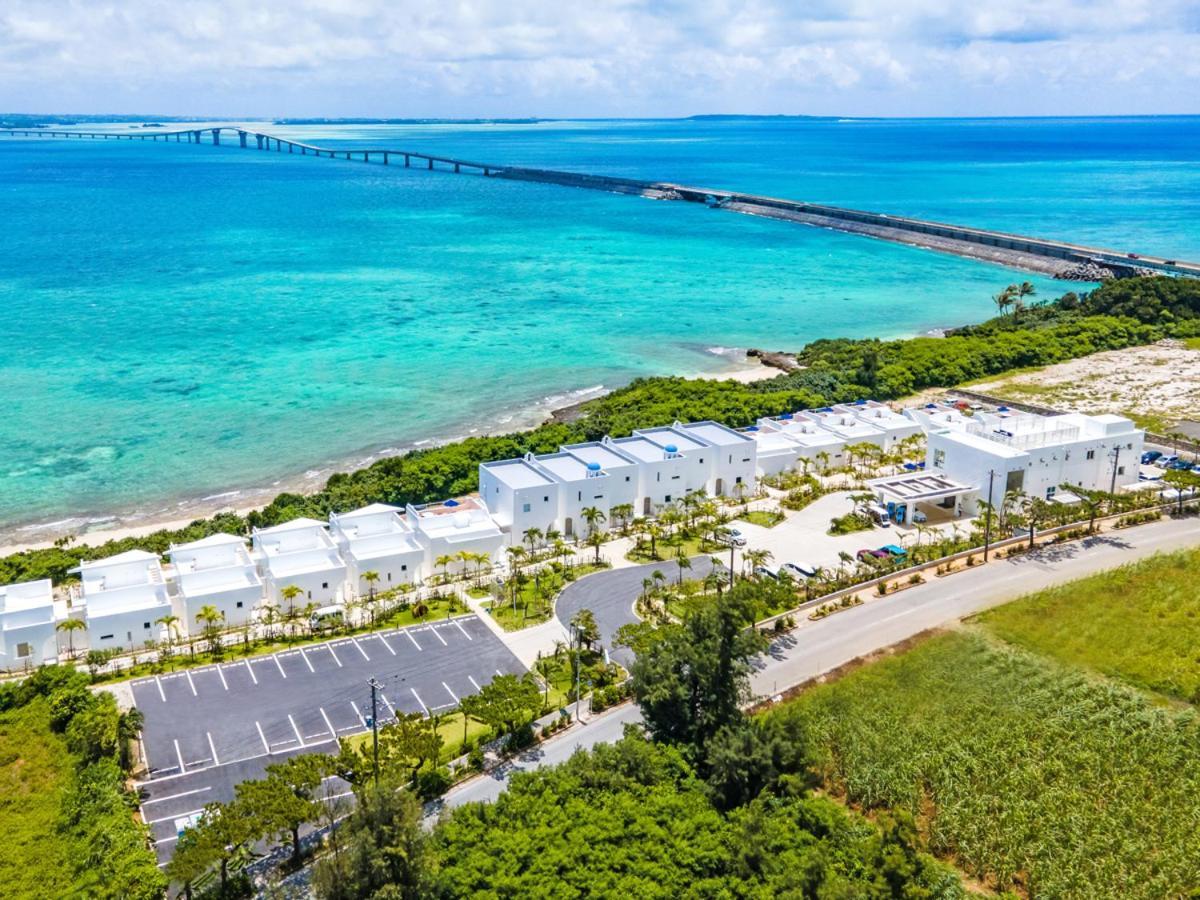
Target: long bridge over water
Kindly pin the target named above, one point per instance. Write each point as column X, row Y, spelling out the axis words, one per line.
column 1060, row 259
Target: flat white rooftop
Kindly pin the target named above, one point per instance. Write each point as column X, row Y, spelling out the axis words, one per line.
column 26, row 596
column 917, row 487
column 666, row 436
column 772, row 442
column 805, row 433
column 517, row 474
column 566, row 467
column 597, row 452
column 983, row 444
column 715, row 434
column 218, row 581
column 323, row 559
column 846, row 425
column 642, row 448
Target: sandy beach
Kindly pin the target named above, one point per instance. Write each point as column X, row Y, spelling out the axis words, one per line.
column 99, row 529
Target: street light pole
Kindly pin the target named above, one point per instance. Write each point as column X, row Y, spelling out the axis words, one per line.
column 987, row 526
column 575, row 641
column 375, row 727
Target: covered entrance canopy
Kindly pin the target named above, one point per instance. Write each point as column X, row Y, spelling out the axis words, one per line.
column 939, row 496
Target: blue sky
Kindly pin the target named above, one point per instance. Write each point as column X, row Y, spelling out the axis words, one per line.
column 599, row 57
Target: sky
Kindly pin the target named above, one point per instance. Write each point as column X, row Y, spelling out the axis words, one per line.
column 597, row 58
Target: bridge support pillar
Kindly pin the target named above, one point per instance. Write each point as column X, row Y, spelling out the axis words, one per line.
column 407, row 161
column 216, row 133
column 431, row 163
column 291, row 148
column 242, row 138
column 304, row 151
column 258, row 140
column 456, row 169
column 366, row 156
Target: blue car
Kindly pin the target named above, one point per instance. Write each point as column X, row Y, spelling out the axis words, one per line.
column 1181, row 465
column 1150, row 456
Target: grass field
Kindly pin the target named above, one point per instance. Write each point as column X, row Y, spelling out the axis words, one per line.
column 34, row 774
column 1028, row 774
column 1139, row 623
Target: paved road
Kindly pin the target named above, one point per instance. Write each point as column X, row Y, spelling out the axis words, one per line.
column 820, row 646
column 209, row 728
column 611, row 595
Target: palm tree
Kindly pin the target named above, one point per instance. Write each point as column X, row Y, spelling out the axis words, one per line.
column 531, row 537
column 290, row 593
column 658, row 578
column 756, row 557
column 70, row 626
column 647, row 587
column 270, row 615
column 1025, row 289
column 595, row 539
column 823, row 459
column 482, row 560
column 683, row 562
column 1004, row 299
column 844, row 559
column 210, row 616
column 593, row 516
column 370, row 578
column 443, row 562
column 309, row 610
column 654, row 530
column 623, row 512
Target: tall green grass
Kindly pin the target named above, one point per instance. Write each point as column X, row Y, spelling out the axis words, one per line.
column 1139, row 623
column 35, row 772
column 1027, row 773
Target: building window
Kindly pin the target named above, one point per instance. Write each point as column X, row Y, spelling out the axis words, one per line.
column 667, row 499
column 627, row 478
column 524, row 507
column 1120, row 470
column 146, row 625
column 1091, row 454
column 324, row 585
column 702, row 460
column 545, row 499
column 580, row 495
column 403, row 568
column 239, row 604
column 24, row 650
column 738, row 480
column 939, row 459
column 1050, row 492
column 658, row 476
column 598, row 497
column 106, row 637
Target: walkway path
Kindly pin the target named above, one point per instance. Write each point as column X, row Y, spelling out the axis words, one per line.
column 818, row 647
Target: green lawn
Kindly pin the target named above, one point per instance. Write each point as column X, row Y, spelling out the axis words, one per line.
column 762, row 517
column 1026, row 773
column 1139, row 623
column 1192, row 343
column 35, row 772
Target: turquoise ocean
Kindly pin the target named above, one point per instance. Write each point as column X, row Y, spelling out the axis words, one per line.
column 185, row 325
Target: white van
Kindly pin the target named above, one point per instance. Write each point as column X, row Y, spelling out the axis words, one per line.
column 879, row 515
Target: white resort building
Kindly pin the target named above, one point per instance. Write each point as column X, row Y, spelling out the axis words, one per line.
column 300, row 553
column 896, row 427
column 377, row 539
column 124, row 597
column 449, row 528
column 27, row 624
column 215, row 571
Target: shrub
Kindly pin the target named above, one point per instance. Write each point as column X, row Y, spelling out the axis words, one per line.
column 432, row 783
column 519, row 739
column 475, row 759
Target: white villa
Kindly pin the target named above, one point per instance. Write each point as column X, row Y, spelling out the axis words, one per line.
column 216, row 571
column 992, row 453
column 846, row 425
column 300, row 553
column 377, row 539
column 27, row 624
column 896, row 427
column 454, row 526
column 124, row 597
column 812, row 442
column 646, row 471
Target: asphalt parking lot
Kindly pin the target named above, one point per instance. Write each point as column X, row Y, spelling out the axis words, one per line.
column 209, row 728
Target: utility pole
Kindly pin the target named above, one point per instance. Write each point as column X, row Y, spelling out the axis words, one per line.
column 575, row 640
column 987, row 522
column 375, row 688
column 1112, row 485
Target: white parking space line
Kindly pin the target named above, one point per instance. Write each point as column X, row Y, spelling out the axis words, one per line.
column 212, row 749
column 463, row 630
column 474, row 682
column 176, row 796
column 278, row 664
column 408, row 634
column 329, row 647
column 383, row 696
column 250, row 669
column 360, row 649
column 262, row 737
column 498, row 672
column 158, row 682
column 191, row 683
column 357, row 713
column 179, row 754
column 328, row 724
column 419, row 700
column 221, row 675
column 386, row 644
column 304, row 656
column 179, row 816
column 450, row 692
column 438, row 636
column 295, row 729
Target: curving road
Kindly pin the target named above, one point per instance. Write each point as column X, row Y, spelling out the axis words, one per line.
column 611, row 596
column 818, row 647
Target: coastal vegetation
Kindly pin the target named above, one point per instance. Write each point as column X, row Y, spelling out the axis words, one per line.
column 67, row 818
column 1118, row 314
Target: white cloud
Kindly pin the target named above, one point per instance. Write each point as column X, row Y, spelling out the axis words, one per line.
column 607, row 57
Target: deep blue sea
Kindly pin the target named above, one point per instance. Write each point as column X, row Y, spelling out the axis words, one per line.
column 181, row 321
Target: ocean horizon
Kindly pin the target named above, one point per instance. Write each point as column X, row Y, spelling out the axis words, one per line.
column 188, row 321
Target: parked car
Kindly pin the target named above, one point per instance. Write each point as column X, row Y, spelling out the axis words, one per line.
column 765, row 572
column 879, row 515
column 799, row 570
column 1150, row 456
column 1180, row 465
column 872, row 556
column 919, row 517
column 731, row 537
column 894, row 550
column 1164, row 462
